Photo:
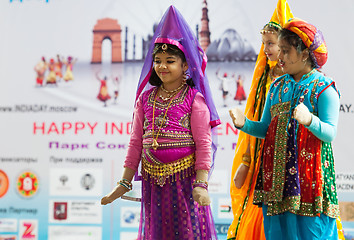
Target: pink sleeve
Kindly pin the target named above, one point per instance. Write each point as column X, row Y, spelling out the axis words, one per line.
column 135, row 146
column 201, row 131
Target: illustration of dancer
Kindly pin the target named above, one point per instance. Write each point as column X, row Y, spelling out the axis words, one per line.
column 116, row 82
column 69, row 69
column 103, row 95
column 224, row 86
column 40, row 69
column 240, row 91
column 59, row 68
column 52, row 77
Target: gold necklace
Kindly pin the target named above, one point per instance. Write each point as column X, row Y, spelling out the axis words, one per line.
column 155, row 144
column 171, row 93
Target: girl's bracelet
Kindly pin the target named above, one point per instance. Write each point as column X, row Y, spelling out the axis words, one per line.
column 246, row 159
column 200, row 183
column 126, row 184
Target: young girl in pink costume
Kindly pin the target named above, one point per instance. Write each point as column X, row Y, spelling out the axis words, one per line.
column 172, row 137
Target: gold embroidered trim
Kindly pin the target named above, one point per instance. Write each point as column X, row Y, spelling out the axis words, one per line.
column 169, row 135
column 280, row 108
column 294, row 205
column 163, row 105
column 160, row 173
column 186, row 143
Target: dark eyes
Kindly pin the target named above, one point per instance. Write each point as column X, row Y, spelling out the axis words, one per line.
column 158, row 62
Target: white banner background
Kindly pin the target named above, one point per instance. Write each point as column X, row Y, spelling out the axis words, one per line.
column 78, row 165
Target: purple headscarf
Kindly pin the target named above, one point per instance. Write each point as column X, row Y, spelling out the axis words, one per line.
column 173, row 29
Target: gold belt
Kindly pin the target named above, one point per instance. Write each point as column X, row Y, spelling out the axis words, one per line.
column 159, row 173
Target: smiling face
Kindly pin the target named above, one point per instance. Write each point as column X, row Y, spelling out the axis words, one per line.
column 271, row 48
column 291, row 61
column 169, row 68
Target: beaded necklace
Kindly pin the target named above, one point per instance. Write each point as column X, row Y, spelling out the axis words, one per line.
column 171, row 93
column 155, row 144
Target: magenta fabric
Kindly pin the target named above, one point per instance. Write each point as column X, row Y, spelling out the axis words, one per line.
column 169, row 212
column 173, row 29
column 199, row 129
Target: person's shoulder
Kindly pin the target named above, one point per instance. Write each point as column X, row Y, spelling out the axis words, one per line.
column 278, row 80
column 323, row 80
column 145, row 94
column 149, row 91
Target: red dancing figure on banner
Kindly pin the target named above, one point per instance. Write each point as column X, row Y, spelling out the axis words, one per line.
column 103, row 92
column 69, row 69
column 172, row 137
column 59, row 68
column 52, row 77
column 40, row 69
column 240, row 91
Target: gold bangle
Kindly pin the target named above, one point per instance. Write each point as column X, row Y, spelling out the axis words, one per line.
column 246, row 159
column 201, row 181
column 126, row 184
column 246, row 164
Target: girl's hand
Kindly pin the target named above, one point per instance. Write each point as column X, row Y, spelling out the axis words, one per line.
column 117, row 192
column 238, row 118
column 201, row 196
column 302, row 114
column 240, row 175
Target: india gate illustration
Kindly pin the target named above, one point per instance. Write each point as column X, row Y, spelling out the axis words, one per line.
column 230, row 46
column 107, row 28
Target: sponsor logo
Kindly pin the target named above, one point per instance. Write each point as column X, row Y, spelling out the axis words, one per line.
column 28, row 230
column 221, row 228
column 130, row 216
column 8, row 225
column 27, row 184
column 4, row 183
column 63, row 179
column 60, row 210
column 87, row 181
column 75, row 211
column 75, row 182
column 224, row 208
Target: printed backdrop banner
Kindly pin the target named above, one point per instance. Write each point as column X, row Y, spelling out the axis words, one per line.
column 69, row 71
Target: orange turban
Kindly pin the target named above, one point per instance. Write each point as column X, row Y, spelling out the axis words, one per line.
column 312, row 38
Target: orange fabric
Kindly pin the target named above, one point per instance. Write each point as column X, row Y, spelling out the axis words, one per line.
column 312, row 38
column 248, row 218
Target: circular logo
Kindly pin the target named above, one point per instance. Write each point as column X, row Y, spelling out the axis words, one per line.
column 4, row 183
column 129, row 217
column 27, row 184
column 87, row 181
